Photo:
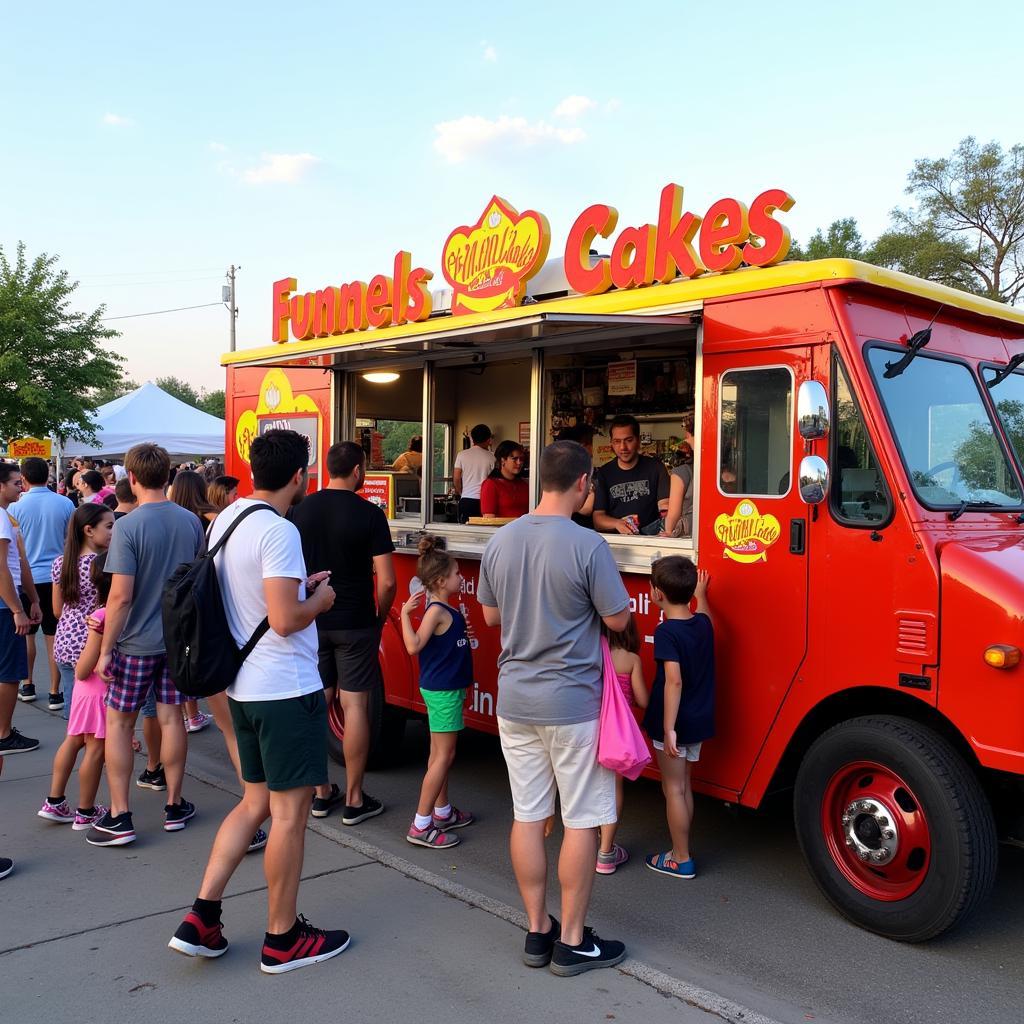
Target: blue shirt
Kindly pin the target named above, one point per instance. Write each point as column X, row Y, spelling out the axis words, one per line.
column 691, row 643
column 446, row 662
column 43, row 517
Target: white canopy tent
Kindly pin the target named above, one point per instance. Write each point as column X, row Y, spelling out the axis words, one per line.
column 152, row 415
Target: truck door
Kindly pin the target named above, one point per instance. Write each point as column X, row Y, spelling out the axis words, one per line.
column 753, row 538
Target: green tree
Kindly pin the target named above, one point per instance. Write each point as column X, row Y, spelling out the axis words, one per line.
column 922, row 250
column 841, row 240
column 974, row 199
column 214, row 402
column 52, row 358
column 180, row 389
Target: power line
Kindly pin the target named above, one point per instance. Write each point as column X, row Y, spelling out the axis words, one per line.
column 150, row 284
column 158, row 273
column 155, row 312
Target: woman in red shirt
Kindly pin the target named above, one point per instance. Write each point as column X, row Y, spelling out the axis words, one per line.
column 503, row 494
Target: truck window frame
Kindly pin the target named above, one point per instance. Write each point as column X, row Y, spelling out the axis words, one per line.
column 833, row 449
column 1017, row 460
column 792, row 417
column 946, row 357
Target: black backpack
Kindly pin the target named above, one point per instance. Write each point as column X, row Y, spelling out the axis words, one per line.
column 202, row 657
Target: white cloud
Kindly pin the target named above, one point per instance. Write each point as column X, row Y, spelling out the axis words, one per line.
column 117, row 121
column 280, row 168
column 613, row 104
column 470, row 136
column 490, row 54
column 574, row 106
column 216, row 147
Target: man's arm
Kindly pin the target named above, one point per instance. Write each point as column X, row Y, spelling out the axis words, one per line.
column 609, row 524
column 457, row 481
column 617, row 622
column 9, row 593
column 285, row 612
column 119, row 603
column 492, row 615
column 28, row 584
column 387, row 587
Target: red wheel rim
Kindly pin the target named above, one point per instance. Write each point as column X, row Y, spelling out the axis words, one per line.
column 336, row 718
column 876, row 831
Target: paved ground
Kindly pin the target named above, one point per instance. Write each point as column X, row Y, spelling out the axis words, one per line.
column 81, row 925
column 751, row 927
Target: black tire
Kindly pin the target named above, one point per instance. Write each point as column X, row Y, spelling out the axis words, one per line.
column 961, row 867
column 387, row 730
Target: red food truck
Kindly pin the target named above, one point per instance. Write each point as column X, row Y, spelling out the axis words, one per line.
column 858, row 498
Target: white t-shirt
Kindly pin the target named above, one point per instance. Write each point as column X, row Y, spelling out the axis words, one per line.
column 476, row 464
column 265, row 546
column 9, row 532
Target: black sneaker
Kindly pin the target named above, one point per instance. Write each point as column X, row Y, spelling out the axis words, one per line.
column 175, row 815
column 194, row 938
column 590, row 955
column 302, row 946
column 27, row 692
column 112, row 831
column 6, row 866
column 322, row 806
column 369, row 808
column 56, row 702
column 18, row 744
column 152, row 779
column 539, row 945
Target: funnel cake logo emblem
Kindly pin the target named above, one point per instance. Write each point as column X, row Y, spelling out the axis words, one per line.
column 488, row 264
column 746, row 534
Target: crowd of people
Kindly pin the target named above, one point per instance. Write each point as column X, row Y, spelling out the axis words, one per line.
column 312, row 640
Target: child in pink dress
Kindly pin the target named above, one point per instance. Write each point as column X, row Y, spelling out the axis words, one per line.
column 86, row 724
column 625, row 647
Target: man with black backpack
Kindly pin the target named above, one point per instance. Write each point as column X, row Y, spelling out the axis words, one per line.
column 277, row 706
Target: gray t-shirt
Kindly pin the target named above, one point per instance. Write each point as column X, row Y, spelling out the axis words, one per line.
column 552, row 581
column 149, row 545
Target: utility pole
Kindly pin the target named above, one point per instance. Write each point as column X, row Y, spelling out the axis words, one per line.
column 228, row 298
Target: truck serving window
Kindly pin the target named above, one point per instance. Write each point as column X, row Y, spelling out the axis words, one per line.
column 944, row 432
column 858, row 493
column 755, row 432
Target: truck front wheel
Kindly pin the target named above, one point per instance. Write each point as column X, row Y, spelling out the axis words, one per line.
column 894, row 827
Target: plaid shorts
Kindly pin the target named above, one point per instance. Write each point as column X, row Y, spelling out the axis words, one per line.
column 135, row 676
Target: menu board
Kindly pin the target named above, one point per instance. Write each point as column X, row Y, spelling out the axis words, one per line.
column 622, row 378
column 379, row 488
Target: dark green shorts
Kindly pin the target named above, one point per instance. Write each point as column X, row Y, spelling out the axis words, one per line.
column 282, row 742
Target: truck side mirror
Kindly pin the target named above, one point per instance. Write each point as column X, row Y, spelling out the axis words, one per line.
column 812, row 410
column 813, row 479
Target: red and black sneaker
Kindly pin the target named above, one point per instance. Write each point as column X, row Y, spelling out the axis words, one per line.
column 193, row 938
column 301, row 946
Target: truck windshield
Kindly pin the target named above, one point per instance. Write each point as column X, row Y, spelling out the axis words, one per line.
column 1008, row 398
column 945, row 434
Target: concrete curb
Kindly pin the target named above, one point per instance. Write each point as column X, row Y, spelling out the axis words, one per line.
column 693, row 995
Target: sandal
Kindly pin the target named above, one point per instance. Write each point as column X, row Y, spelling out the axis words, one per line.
column 665, row 865
column 431, row 837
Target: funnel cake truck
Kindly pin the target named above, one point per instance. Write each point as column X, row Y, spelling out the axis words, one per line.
column 857, row 489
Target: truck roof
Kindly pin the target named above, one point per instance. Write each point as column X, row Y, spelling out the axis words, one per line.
column 678, row 295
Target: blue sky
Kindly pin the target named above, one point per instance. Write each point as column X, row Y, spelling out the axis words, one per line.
column 151, row 148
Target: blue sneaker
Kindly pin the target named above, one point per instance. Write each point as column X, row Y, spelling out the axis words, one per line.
column 665, row 865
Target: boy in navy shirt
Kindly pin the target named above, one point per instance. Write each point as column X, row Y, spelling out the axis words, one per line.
column 681, row 712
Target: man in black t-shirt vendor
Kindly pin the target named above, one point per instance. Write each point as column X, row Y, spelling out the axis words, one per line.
column 631, row 491
column 348, row 535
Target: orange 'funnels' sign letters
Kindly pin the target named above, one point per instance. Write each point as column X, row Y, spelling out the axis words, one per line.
column 680, row 243
column 488, row 264
column 354, row 306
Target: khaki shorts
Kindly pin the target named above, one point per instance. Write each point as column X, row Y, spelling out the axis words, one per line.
column 543, row 760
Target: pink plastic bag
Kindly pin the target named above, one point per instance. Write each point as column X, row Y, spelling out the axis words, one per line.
column 620, row 743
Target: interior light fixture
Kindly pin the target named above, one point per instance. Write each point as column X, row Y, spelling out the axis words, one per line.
column 381, row 377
